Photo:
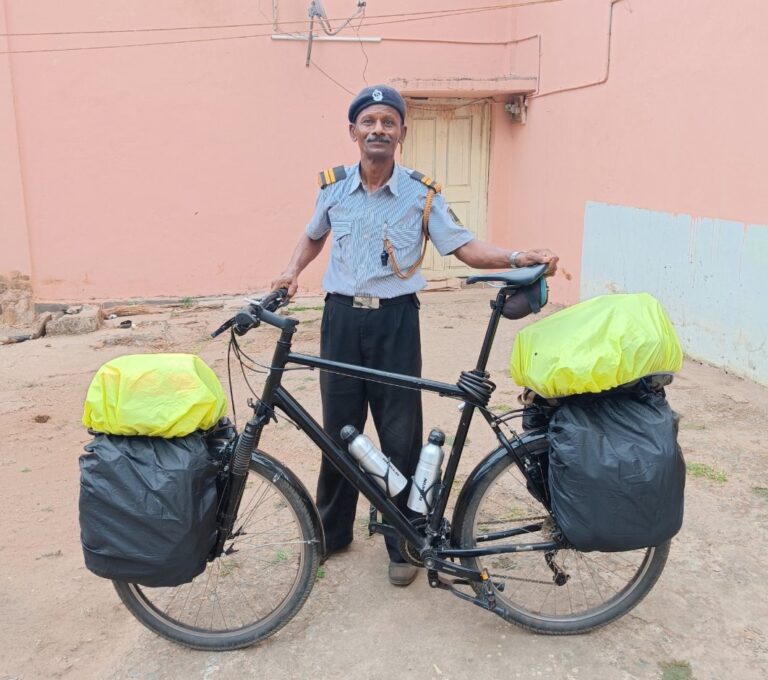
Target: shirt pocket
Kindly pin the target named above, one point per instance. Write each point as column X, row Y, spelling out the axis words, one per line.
column 405, row 237
column 341, row 230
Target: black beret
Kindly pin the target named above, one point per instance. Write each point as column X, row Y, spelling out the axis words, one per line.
column 377, row 94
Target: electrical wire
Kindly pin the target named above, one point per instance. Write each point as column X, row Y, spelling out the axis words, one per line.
column 434, row 15
column 325, row 23
column 427, row 13
column 331, row 78
column 362, row 47
column 146, row 44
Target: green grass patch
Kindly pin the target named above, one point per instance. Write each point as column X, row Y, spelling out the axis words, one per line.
column 281, row 555
column 761, row 491
column 705, row 471
column 320, row 573
column 300, row 308
column 676, row 670
column 228, row 567
column 502, row 407
column 187, row 302
column 687, row 425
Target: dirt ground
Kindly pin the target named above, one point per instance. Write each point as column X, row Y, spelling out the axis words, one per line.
column 709, row 609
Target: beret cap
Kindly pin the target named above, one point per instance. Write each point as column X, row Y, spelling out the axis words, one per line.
column 376, row 94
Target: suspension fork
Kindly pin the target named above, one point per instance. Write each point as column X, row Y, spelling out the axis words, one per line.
column 248, row 442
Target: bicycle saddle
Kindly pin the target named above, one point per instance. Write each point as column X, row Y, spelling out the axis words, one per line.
column 524, row 276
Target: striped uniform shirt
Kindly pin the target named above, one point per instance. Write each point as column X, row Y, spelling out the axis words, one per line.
column 360, row 221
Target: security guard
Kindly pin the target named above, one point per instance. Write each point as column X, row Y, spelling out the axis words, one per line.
column 377, row 214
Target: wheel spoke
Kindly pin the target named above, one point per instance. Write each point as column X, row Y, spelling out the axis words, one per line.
column 597, row 584
column 253, row 588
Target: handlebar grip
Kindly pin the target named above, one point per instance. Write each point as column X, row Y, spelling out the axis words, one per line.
column 273, row 319
column 244, row 320
column 275, row 299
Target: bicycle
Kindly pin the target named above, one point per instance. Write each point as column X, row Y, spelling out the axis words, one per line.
column 502, row 549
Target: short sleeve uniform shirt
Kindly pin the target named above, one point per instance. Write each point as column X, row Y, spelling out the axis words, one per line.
column 360, row 221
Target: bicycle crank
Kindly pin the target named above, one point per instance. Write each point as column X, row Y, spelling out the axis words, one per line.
column 485, row 600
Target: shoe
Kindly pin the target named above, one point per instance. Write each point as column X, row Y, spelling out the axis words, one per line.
column 402, row 573
column 334, row 551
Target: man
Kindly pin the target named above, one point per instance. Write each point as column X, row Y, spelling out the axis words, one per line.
column 373, row 212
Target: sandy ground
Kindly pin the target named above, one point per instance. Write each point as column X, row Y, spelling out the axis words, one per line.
column 709, row 609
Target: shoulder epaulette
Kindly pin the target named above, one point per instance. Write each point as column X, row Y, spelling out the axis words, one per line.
column 331, row 175
column 427, row 181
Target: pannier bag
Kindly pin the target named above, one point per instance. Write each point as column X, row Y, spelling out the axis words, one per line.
column 147, row 508
column 596, row 345
column 616, row 472
column 157, row 395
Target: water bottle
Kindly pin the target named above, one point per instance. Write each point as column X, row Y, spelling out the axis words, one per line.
column 373, row 461
column 427, row 473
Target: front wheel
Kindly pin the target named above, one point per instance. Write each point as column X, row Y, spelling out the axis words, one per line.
column 561, row 592
column 254, row 588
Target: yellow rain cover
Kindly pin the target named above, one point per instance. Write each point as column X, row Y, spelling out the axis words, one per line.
column 596, row 345
column 157, row 395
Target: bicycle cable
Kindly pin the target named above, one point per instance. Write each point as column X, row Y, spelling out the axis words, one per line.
column 477, row 386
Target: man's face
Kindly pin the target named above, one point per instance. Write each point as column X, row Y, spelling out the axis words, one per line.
column 378, row 130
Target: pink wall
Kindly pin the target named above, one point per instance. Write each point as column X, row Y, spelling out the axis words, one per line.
column 190, row 169
column 14, row 248
column 679, row 125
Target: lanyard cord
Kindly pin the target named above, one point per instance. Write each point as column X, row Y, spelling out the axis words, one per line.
column 425, row 228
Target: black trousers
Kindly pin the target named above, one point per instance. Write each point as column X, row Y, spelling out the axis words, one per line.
column 387, row 339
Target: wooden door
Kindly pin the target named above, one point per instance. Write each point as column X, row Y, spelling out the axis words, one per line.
column 449, row 142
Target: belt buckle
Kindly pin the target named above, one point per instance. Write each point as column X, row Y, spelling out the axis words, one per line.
column 365, row 302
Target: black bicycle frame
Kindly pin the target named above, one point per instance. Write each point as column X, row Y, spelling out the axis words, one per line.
column 276, row 395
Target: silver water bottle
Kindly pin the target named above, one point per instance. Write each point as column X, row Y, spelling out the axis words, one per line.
column 427, row 473
column 373, row 461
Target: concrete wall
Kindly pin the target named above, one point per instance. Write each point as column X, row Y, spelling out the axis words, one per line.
column 709, row 274
column 189, row 168
column 677, row 126
column 14, row 246
column 184, row 169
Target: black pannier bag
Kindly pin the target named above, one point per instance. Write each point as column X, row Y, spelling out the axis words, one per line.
column 148, row 508
column 616, row 472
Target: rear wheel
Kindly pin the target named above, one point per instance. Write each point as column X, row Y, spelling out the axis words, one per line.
column 560, row 592
column 257, row 585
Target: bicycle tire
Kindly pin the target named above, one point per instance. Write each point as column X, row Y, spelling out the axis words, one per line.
column 273, row 496
column 503, row 487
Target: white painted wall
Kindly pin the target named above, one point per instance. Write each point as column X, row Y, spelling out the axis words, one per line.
column 711, row 275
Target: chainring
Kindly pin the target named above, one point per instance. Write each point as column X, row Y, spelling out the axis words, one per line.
column 409, row 551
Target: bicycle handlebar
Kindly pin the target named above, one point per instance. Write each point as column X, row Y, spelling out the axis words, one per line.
column 258, row 311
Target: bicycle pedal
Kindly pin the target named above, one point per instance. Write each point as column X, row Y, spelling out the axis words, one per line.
column 489, row 592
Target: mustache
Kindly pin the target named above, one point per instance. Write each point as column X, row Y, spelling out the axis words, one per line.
column 376, row 138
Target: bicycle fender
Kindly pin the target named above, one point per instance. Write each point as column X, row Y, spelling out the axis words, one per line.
column 482, row 469
column 280, row 470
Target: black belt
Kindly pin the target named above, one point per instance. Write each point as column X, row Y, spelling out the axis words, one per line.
column 369, row 302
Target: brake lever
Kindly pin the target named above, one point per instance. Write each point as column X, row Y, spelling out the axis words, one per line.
column 242, row 329
column 227, row 324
